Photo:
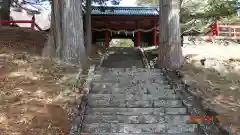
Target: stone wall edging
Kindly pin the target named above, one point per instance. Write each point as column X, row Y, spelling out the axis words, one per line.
column 102, row 59
column 226, row 129
column 144, row 58
column 195, row 106
column 191, row 101
column 80, row 109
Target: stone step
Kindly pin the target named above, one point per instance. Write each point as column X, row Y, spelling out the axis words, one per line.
column 104, row 70
column 132, row 78
column 108, row 88
column 137, row 75
column 147, row 74
column 138, row 128
column 137, row 119
column 115, row 73
column 130, row 97
column 117, row 81
column 131, row 101
column 120, row 70
column 136, row 111
column 136, row 134
column 130, row 74
column 128, row 82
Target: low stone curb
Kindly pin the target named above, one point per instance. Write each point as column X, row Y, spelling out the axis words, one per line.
column 78, row 115
column 102, row 59
column 194, row 105
column 188, row 93
column 144, row 58
column 81, row 105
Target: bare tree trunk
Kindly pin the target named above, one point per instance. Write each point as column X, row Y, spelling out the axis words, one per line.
column 170, row 54
column 89, row 27
column 73, row 39
column 54, row 44
column 5, row 9
column 66, row 39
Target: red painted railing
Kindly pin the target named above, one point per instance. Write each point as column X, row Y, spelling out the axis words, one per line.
column 221, row 31
column 32, row 22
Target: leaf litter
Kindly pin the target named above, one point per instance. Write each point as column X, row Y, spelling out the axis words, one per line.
column 217, row 81
column 36, row 94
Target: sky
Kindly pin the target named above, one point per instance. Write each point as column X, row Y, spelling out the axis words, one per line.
column 123, row 2
column 46, row 4
column 128, row 3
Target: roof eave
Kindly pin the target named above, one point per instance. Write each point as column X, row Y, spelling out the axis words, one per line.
column 125, row 15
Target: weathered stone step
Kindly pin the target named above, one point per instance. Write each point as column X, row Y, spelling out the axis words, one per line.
column 129, row 74
column 137, row 119
column 126, row 70
column 128, row 80
column 138, row 128
column 137, row 104
column 120, row 70
column 135, row 75
column 146, row 76
column 163, row 91
column 127, row 83
column 137, row 134
column 129, row 96
column 136, row 111
column 132, row 101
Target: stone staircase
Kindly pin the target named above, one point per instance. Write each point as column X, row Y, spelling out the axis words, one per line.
column 127, row 101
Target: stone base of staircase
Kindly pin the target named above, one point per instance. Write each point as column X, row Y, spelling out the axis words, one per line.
column 126, row 101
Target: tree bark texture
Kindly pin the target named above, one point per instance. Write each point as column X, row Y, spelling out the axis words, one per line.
column 5, row 9
column 54, row 44
column 66, row 40
column 88, row 27
column 170, row 52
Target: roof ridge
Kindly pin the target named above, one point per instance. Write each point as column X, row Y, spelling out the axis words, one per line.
column 122, row 11
column 126, row 7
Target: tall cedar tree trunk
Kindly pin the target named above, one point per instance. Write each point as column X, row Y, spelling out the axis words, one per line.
column 170, row 53
column 5, row 9
column 66, row 40
column 88, row 27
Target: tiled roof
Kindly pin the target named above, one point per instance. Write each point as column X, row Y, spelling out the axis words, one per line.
column 124, row 11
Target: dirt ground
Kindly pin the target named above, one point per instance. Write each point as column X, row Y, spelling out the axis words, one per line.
column 36, row 94
column 214, row 71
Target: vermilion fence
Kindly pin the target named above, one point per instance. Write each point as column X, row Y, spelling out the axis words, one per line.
column 221, row 31
column 32, row 22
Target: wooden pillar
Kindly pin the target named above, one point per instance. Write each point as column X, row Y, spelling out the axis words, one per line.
column 138, row 38
column 217, row 30
column 138, row 34
column 106, row 34
column 155, row 35
column 107, row 38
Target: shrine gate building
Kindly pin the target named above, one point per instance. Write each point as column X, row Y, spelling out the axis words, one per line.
column 136, row 23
